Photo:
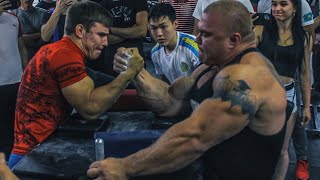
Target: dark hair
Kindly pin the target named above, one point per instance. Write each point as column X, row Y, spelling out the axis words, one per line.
column 86, row 13
column 162, row 10
column 299, row 35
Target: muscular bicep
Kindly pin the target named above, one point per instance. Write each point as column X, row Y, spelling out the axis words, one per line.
column 78, row 94
column 237, row 92
column 227, row 112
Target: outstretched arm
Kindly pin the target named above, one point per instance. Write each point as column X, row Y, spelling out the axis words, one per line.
column 163, row 99
column 216, row 119
column 160, row 97
column 90, row 102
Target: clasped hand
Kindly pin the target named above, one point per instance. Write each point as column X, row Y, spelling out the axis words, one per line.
column 127, row 58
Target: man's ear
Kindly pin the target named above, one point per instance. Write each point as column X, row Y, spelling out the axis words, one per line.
column 79, row 30
column 234, row 39
column 175, row 24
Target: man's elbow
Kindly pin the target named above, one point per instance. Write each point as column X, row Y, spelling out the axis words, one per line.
column 45, row 38
column 89, row 116
column 90, row 113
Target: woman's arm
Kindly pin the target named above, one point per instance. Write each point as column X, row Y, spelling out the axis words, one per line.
column 305, row 82
column 258, row 33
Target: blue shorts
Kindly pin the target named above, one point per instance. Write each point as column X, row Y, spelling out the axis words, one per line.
column 14, row 159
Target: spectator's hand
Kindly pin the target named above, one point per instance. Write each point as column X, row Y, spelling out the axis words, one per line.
column 60, row 6
column 108, row 169
column 63, row 5
column 120, row 64
column 68, row 3
column 306, row 116
column 5, row 173
column 4, row 4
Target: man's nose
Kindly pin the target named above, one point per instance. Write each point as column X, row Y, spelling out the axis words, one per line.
column 277, row 7
column 198, row 38
column 105, row 41
column 159, row 32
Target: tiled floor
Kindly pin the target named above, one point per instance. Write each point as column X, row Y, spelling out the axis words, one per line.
column 313, row 158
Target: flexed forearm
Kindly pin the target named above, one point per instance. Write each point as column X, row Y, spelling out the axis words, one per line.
column 159, row 96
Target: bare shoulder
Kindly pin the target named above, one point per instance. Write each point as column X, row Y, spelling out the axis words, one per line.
column 235, row 90
column 250, row 84
column 258, row 75
column 254, row 88
column 258, row 34
column 258, row 30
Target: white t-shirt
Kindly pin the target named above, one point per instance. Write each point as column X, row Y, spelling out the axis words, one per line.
column 180, row 62
column 10, row 60
column 202, row 4
column 264, row 6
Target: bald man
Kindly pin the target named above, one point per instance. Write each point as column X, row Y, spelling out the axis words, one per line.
column 238, row 119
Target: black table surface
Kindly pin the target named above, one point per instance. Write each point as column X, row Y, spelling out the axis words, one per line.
column 64, row 157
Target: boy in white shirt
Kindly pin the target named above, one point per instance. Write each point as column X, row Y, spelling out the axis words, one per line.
column 176, row 53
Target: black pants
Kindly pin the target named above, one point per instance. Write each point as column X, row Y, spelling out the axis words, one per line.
column 316, row 67
column 8, row 96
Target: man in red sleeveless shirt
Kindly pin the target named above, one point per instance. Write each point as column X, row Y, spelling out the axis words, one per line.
column 55, row 78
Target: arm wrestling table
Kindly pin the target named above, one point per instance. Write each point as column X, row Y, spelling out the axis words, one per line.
column 62, row 157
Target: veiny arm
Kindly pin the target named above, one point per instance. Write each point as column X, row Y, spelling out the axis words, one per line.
column 90, row 102
column 216, row 119
column 162, row 98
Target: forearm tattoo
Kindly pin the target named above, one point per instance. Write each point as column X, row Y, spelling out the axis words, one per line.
column 237, row 92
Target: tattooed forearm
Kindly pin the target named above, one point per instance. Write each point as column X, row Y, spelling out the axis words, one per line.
column 237, row 92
